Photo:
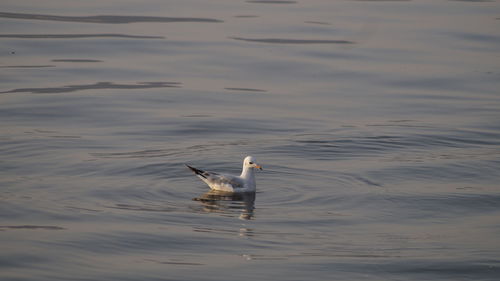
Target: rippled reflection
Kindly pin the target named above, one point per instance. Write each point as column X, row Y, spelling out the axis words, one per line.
column 95, row 86
column 109, row 19
column 228, row 203
column 77, row 36
column 292, row 41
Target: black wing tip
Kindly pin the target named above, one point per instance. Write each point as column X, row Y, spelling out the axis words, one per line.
column 196, row 171
column 191, row 168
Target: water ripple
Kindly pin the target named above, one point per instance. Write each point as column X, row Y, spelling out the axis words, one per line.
column 27, row 66
column 333, row 146
column 246, row 90
column 76, row 36
column 292, row 41
column 32, row 227
column 96, row 86
column 76, row 60
column 109, row 19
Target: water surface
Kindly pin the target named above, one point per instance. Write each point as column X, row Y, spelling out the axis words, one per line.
column 377, row 123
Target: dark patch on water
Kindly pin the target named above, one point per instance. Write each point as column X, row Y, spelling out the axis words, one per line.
column 108, row 19
column 66, row 137
column 77, row 36
column 21, row 260
column 292, row 41
column 28, row 66
column 173, row 262
column 76, row 60
column 476, row 37
column 246, row 16
column 402, row 121
column 318, row 22
column 45, row 131
column 197, row 116
column 96, row 86
column 32, row 227
column 82, row 209
column 246, row 90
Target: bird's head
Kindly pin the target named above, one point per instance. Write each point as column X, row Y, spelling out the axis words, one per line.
column 250, row 163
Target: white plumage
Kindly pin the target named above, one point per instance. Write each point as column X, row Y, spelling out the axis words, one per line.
column 231, row 183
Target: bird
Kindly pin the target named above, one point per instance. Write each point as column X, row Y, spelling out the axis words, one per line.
column 231, row 183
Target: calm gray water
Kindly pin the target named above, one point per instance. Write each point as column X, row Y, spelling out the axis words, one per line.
column 377, row 123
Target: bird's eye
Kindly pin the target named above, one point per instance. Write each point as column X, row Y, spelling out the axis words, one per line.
column 251, row 163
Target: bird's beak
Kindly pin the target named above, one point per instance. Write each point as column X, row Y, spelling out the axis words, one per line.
column 258, row 167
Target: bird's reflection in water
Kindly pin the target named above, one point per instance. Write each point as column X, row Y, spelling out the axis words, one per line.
column 229, row 203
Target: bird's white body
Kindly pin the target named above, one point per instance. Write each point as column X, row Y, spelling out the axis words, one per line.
column 231, row 183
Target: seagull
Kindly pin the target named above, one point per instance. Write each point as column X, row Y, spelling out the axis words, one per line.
column 230, row 183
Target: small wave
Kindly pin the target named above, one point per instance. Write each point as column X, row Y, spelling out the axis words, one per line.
column 96, row 86
column 28, row 66
column 246, row 90
column 76, row 60
column 292, row 41
column 108, row 19
column 339, row 146
column 246, row 16
column 32, row 227
column 176, row 262
column 318, row 22
column 77, row 36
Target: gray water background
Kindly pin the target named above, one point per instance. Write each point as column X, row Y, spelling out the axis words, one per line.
column 377, row 123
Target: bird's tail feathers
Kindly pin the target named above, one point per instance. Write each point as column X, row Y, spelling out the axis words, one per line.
column 197, row 171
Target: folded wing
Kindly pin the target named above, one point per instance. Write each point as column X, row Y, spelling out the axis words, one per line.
column 218, row 181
